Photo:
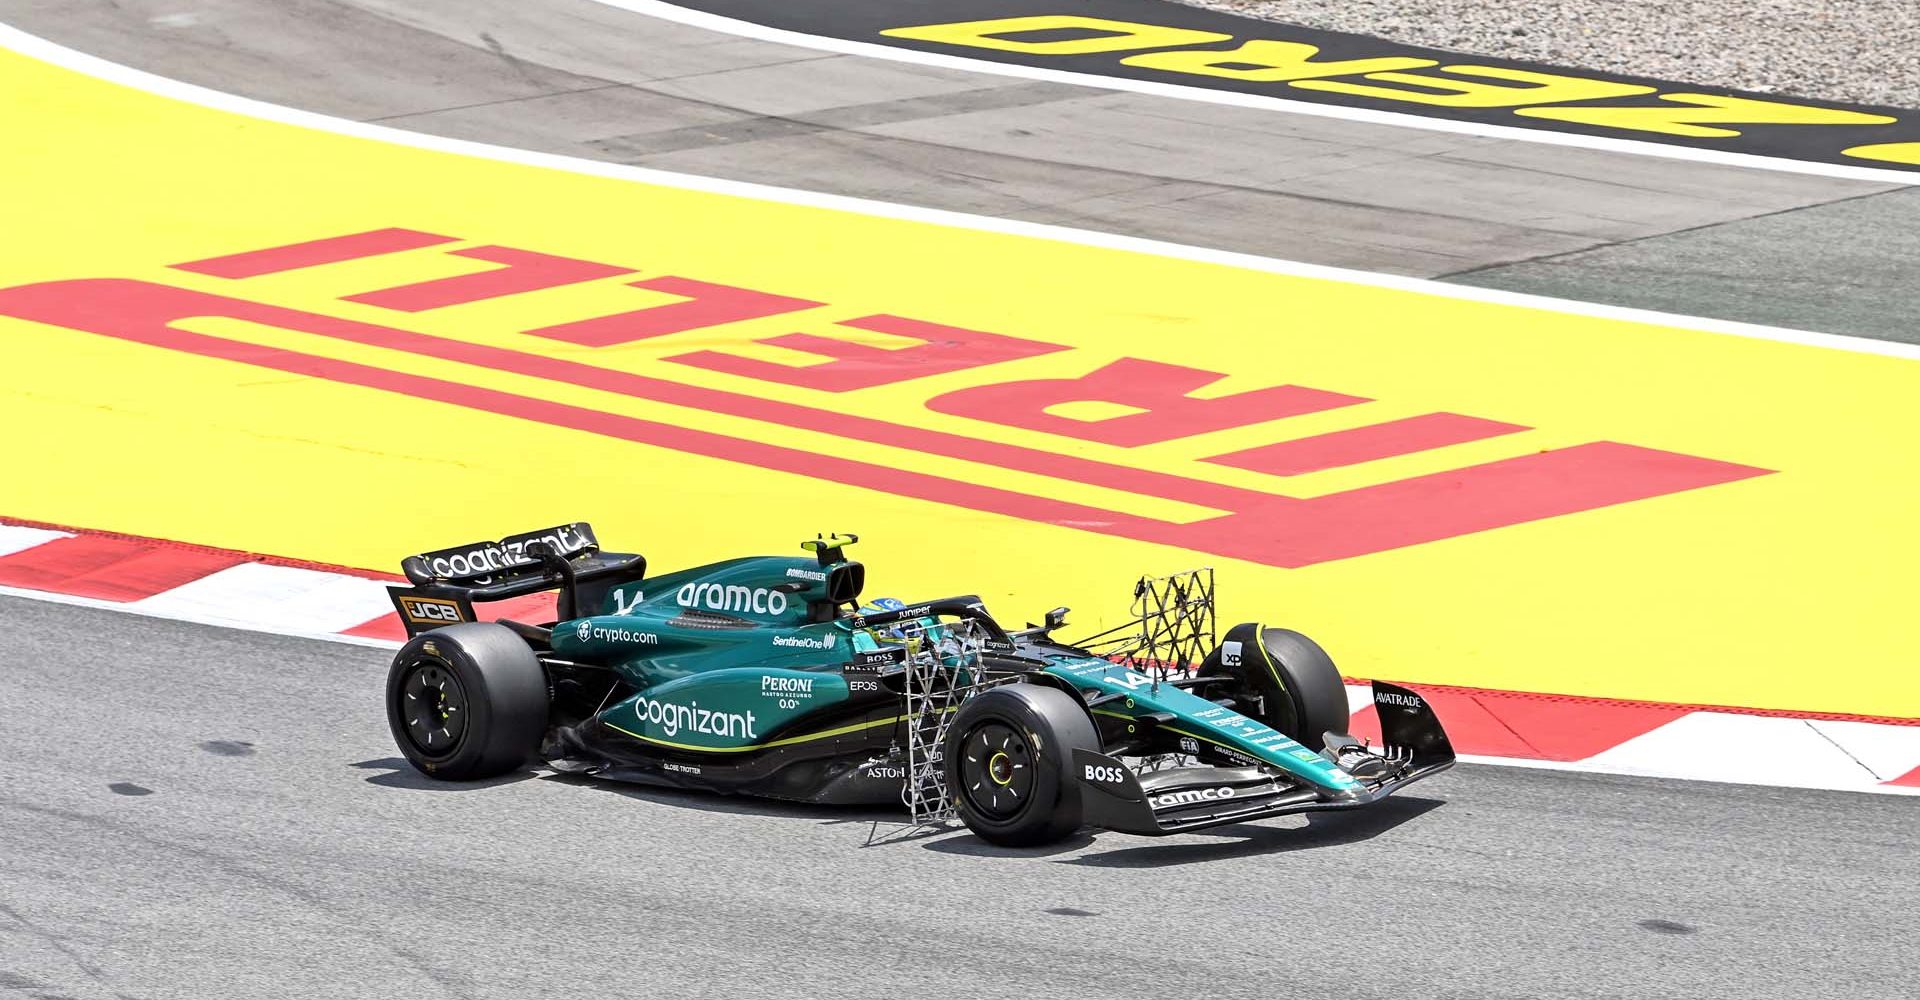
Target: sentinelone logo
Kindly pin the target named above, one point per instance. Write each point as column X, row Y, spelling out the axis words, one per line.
column 1259, row 525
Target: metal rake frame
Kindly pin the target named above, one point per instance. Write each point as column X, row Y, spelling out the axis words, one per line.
column 1172, row 630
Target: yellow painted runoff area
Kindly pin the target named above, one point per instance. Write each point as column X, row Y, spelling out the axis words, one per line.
column 1670, row 514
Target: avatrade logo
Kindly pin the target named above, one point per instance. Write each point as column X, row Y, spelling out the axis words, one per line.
column 805, row 642
column 715, row 597
column 1411, row 703
column 807, row 574
column 672, row 718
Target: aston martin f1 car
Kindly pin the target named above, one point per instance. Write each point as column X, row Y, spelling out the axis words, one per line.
column 768, row 676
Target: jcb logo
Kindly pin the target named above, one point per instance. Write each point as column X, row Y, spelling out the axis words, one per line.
column 430, row 611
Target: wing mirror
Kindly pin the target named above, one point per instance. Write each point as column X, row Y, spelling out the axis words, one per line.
column 1056, row 618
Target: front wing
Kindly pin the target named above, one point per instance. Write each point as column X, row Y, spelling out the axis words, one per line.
column 1184, row 799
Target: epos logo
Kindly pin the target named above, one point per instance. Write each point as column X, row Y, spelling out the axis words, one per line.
column 1244, row 514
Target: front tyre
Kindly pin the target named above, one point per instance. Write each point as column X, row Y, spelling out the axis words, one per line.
column 467, row 702
column 1283, row 679
column 1009, row 763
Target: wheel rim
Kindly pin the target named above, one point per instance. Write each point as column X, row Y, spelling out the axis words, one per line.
column 996, row 773
column 433, row 709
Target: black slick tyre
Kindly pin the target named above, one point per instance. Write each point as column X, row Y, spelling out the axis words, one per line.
column 467, row 702
column 1283, row 679
column 1009, row 763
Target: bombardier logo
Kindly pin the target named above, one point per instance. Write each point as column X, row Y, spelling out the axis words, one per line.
column 1411, row 703
column 807, row 574
column 1187, row 797
column 732, row 597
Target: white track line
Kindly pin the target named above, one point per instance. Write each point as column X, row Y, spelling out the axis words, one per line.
column 16, row 538
column 39, row 48
column 877, row 50
column 302, row 601
column 176, row 614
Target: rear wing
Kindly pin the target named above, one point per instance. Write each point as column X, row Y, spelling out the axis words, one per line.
column 448, row 582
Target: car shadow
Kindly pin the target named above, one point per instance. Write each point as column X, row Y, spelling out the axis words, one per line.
column 719, row 802
column 397, row 773
column 1322, row 830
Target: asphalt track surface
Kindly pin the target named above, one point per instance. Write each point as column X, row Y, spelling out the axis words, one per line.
column 210, row 813
column 585, row 79
column 192, row 812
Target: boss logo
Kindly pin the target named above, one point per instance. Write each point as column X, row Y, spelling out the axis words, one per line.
column 430, row 611
column 1106, row 774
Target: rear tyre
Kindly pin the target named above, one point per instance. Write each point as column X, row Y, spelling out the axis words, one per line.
column 467, row 702
column 1281, row 678
column 1009, row 763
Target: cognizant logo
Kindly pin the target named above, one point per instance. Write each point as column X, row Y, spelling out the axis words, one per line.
column 672, row 718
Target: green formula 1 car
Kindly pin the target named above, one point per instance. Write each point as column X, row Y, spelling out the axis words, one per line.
column 767, row 676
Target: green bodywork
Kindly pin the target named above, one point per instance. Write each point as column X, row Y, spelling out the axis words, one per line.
column 725, row 659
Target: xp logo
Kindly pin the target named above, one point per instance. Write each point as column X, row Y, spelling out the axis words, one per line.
column 1105, row 773
column 1411, row 703
column 1190, row 796
column 1230, row 653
